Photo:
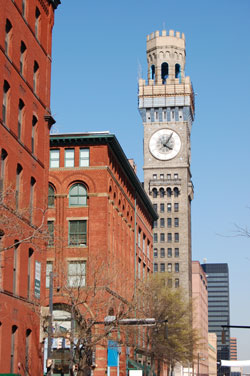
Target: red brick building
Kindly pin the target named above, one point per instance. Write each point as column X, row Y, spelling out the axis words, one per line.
column 25, row 120
column 99, row 214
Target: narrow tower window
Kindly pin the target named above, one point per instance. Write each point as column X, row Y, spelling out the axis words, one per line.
column 15, row 259
column 30, row 258
column 164, row 72
column 178, row 71
column 152, row 72
column 27, row 350
column 51, row 197
column 12, row 349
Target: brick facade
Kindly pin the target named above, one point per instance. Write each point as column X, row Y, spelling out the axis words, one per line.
column 117, row 216
column 25, row 120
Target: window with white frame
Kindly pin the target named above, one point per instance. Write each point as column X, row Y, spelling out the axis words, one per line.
column 54, row 158
column 69, row 158
column 84, row 158
column 78, row 233
column 76, row 273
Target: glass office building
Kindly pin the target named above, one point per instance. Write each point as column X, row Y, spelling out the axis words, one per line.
column 218, row 310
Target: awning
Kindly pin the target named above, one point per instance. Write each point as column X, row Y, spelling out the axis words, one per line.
column 235, row 363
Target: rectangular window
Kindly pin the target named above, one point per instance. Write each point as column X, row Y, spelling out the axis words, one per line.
column 162, row 222
column 176, row 267
column 139, row 268
column 148, row 248
column 176, row 252
column 155, row 224
column 76, row 273
column 154, row 176
column 162, row 237
column 54, row 158
column 176, row 176
column 169, row 237
column 176, row 207
column 176, row 237
column 69, row 157
column 169, row 206
column 155, row 207
column 78, row 233
column 169, row 268
column 162, row 267
column 51, row 233
column 155, row 267
column 176, row 222
column 155, row 238
column 49, row 269
column 84, row 158
column 162, row 252
column 162, row 208
column 161, row 176
column 144, row 243
column 139, row 238
column 169, row 252
column 169, row 222
column 177, row 282
column 155, row 252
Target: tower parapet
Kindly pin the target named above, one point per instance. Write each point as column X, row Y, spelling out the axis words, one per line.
column 166, row 56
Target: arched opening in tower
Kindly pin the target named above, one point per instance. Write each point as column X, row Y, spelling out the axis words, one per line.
column 178, row 71
column 164, row 72
column 152, row 72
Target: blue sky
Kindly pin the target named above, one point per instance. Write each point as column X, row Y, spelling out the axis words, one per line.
column 98, row 48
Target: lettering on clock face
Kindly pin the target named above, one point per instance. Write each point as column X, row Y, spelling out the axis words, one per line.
column 165, row 144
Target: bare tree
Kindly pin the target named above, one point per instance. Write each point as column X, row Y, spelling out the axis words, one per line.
column 173, row 339
column 89, row 298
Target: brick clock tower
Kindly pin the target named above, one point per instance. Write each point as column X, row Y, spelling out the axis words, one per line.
column 166, row 105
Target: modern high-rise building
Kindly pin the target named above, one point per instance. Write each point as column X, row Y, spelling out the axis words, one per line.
column 166, row 105
column 25, row 121
column 218, row 310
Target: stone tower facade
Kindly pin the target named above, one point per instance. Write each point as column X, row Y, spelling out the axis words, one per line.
column 166, row 105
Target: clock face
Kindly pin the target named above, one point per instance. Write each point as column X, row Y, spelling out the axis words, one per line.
column 165, row 144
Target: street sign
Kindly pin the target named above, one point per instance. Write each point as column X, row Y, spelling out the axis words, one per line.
column 37, row 279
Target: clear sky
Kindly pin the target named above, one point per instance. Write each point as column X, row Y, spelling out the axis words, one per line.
column 98, row 49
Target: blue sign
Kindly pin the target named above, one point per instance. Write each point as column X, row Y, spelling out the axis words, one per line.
column 113, row 354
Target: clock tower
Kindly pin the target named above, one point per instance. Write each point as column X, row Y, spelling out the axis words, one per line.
column 166, row 105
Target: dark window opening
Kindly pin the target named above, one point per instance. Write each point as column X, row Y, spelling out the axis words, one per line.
column 164, row 72
column 20, row 118
column 6, row 88
column 8, row 28
column 22, row 53
column 178, row 71
column 152, row 72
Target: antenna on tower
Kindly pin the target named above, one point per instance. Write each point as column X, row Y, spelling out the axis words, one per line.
column 139, row 70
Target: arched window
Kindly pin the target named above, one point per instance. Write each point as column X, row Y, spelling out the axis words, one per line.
column 6, row 88
column 35, row 75
column 162, row 193
column 51, row 197
column 8, row 28
column 77, row 195
column 176, row 192
column 152, row 72
column 12, row 347
column 178, row 71
column 33, row 133
column 22, row 56
column 169, row 192
column 164, row 72
column 154, row 192
column 20, row 118
column 37, row 22
column 19, row 170
column 27, row 349
column 4, row 155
